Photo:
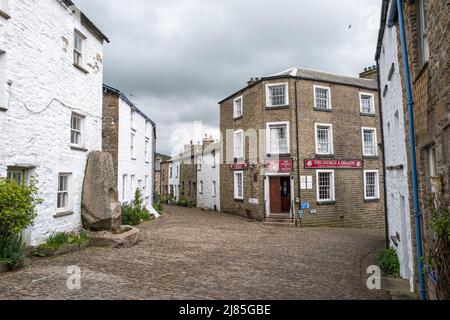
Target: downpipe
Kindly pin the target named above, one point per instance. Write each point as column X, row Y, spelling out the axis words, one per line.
column 412, row 143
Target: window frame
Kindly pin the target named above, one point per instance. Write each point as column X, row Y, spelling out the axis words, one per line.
column 214, row 189
column 241, row 155
column 3, row 92
column 81, row 119
column 201, row 187
column 133, row 145
column 372, row 98
column 269, row 97
column 329, row 105
column 268, row 136
column 236, row 185
column 78, row 52
column 66, row 192
column 24, row 179
column 330, row 137
column 333, row 186
column 364, row 142
column 377, row 185
column 147, row 150
column 124, row 187
column 235, row 114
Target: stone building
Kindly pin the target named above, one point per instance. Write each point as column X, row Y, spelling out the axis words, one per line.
column 160, row 173
column 51, row 74
column 130, row 136
column 165, row 179
column 208, row 176
column 427, row 36
column 303, row 139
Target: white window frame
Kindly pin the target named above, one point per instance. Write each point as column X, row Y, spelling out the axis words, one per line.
column 147, row 150
column 364, row 143
column 377, row 185
column 333, row 186
column 133, row 145
column 330, row 137
column 236, row 191
column 329, row 105
column 200, row 187
column 132, row 186
column 78, row 52
column 268, row 140
column 236, row 155
column 214, row 189
column 236, row 115
column 79, row 131
column 372, row 98
column 268, row 96
column 61, row 192
column 3, row 100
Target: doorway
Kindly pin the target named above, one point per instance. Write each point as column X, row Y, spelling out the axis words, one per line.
column 280, row 194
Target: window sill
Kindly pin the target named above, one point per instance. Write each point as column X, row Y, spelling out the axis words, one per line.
column 277, row 107
column 324, row 156
column 133, row 159
column 4, row 15
column 370, row 157
column 371, row 200
column 3, row 109
column 63, row 214
column 278, row 156
column 326, row 203
column 80, row 68
column 148, row 162
column 239, row 200
column 238, row 118
column 363, row 114
column 323, row 110
column 77, row 148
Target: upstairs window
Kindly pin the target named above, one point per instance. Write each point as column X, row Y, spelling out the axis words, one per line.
column 277, row 95
column 322, row 99
column 371, row 185
column 147, row 150
column 200, row 187
column 238, row 107
column 367, row 103
column 239, row 144
column 132, row 146
column 78, row 39
column 200, row 163
column 170, row 172
column 369, row 142
column 3, row 102
column 324, row 139
column 278, row 138
column 424, row 51
column 76, row 126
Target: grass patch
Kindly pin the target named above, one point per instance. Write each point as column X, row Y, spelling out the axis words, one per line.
column 59, row 240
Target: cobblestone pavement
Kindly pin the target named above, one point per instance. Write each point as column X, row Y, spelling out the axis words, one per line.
column 191, row 254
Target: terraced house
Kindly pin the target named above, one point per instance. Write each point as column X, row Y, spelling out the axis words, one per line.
column 304, row 144
column 51, row 75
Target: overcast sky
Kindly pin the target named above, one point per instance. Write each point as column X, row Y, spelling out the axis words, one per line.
column 176, row 59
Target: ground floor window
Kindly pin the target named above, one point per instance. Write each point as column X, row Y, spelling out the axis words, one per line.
column 239, row 185
column 214, row 189
column 63, row 191
column 371, row 185
column 17, row 175
column 325, row 186
column 200, row 187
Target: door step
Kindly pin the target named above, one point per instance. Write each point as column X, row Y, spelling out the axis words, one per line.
column 285, row 224
column 279, row 220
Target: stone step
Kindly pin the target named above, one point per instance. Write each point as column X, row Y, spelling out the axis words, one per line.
column 279, row 216
column 286, row 224
column 285, row 220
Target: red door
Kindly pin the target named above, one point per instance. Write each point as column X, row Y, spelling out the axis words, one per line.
column 275, row 195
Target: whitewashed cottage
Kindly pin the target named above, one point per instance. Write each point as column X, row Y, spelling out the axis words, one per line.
column 208, row 176
column 130, row 136
column 51, row 75
column 397, row 182
column 175, row 177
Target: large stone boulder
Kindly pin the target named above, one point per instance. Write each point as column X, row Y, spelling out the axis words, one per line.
column 101, row 209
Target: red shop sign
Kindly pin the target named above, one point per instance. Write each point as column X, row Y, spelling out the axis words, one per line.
column 333, row 164
column 279, row 166
column 238, row 166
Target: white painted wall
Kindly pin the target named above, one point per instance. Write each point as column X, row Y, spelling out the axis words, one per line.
column 140, row 166
column 45, row 89
column 174, row 180
column 396, row 154
column 209, row 173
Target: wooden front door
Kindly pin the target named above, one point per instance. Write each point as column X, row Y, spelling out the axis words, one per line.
column 275, row 195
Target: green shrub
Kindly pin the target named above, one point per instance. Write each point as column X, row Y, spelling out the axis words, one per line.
column 388, row 261
column 17, row 206
column 58, row 240
column 131, row 216
column 12, row 251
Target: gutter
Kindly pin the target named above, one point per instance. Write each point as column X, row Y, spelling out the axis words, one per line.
column 412, row 144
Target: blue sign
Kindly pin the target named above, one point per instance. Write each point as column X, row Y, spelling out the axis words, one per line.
column 306, row 206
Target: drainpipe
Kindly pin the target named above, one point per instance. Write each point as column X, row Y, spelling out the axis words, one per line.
column 412, row 146
column 386, row 211
column 298, row 144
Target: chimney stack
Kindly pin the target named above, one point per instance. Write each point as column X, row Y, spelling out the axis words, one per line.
column 369, row 73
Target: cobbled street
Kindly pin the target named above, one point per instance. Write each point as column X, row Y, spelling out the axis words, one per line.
column 192, row 254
